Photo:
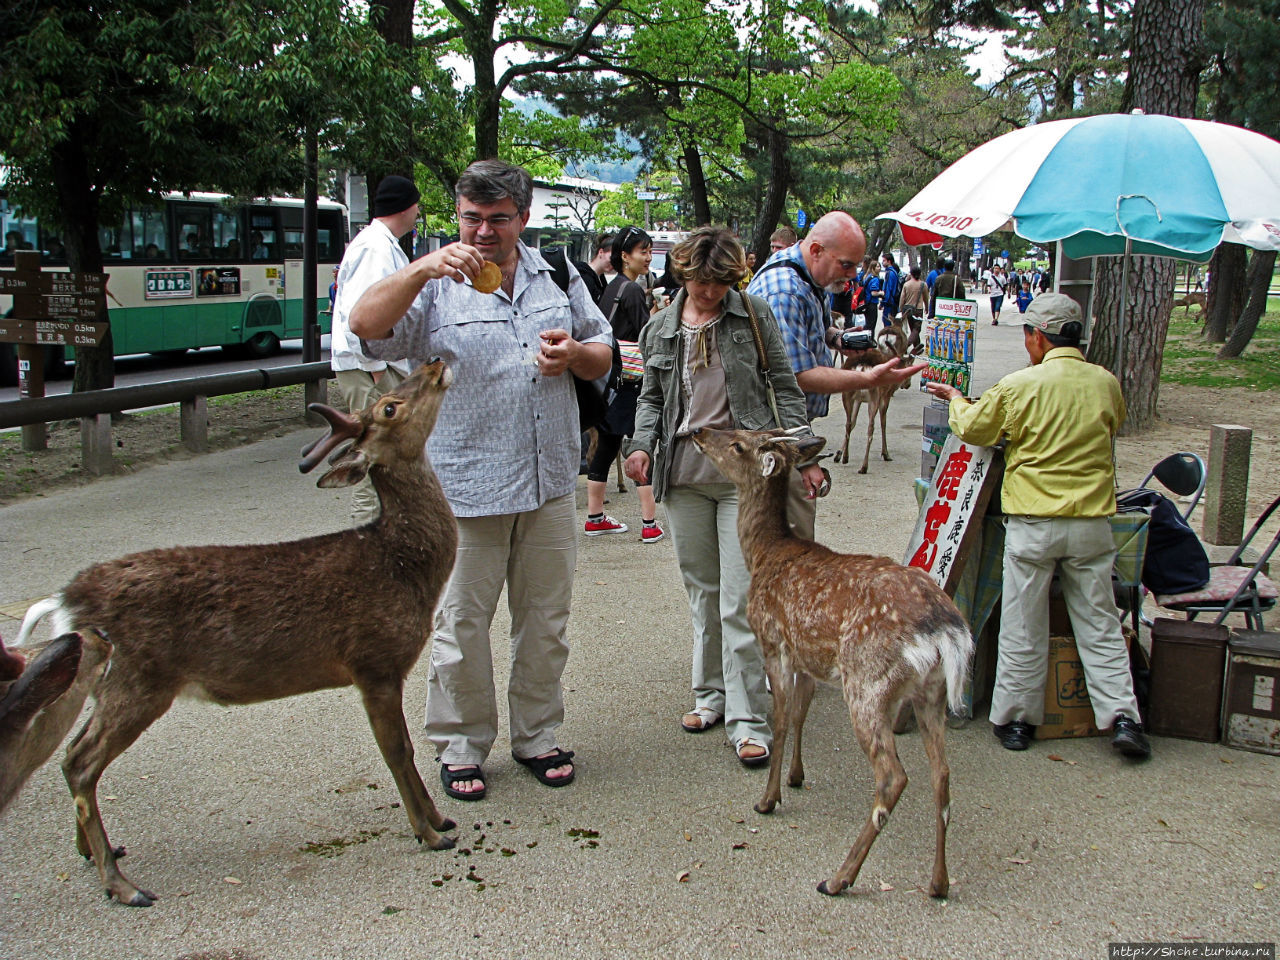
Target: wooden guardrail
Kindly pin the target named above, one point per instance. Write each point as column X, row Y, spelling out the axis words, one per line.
column 94, row 407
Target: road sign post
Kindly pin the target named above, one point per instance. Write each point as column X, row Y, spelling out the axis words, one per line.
column 48, row 308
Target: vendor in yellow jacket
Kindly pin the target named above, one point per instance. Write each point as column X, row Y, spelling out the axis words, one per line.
column 1059, row 416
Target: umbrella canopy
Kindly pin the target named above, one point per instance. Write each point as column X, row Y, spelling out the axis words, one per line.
column 1172, row 187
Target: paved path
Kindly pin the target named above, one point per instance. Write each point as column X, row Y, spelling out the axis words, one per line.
column 272, row 831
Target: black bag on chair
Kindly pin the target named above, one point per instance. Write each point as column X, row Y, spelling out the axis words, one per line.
column 1175, row 561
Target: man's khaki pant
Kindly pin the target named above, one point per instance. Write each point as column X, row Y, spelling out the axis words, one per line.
column 358, row 391
column 532, row 553
column 1083, row 551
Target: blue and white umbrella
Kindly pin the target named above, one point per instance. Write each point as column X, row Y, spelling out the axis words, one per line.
column 1110, row 185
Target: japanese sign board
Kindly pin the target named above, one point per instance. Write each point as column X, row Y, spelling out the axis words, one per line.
column 54, row 308
column 957, row 499
column 46, row 284
column 956, row 309
column 69, row 333
column 165, row 284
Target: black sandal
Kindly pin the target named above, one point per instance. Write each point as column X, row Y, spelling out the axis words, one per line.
column 450, row 777
column 540, row 765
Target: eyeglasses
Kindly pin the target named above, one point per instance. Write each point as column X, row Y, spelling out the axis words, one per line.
column 496, row 220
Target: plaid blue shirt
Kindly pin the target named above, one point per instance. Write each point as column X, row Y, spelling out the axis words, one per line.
column 802, row 317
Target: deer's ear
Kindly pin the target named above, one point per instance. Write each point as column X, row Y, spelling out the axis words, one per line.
column 350, row 469
column 809, row 447
column 769, row 464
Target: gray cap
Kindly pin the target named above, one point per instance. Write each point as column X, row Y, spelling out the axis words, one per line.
column 1050, row 312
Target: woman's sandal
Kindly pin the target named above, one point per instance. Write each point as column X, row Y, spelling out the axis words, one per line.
column 751, row 759
column 450, row 777
column 699, row 719
column 539, row 766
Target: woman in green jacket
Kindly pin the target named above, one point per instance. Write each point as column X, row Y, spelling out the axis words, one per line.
column 702, row 369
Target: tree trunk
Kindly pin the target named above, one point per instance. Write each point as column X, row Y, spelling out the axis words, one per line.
column 1258, row 284
column 878, row 237
column 78, row 215
column 1164, row 75
column 1226, row 291
column 393, row 19
column 775, row 197
column 1145, row 327
column 697, row 185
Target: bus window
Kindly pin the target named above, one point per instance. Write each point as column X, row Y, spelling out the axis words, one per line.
column 329, row 236
column 291, row 219
column 194, row 225
column 115, row 242
column 226, row 234
column 264, row 234
column 150, row 237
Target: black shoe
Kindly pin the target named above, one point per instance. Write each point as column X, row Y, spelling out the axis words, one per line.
column 1014, row 735
column 1129, row 739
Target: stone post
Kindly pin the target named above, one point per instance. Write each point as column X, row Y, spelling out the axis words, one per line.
column 1227, row 486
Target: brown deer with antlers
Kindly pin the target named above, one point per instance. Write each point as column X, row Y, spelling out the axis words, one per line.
column 891, row 342
column 886, row 633
column 221, row 624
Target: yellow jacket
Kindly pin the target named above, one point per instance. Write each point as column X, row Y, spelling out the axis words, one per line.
column 1059, row 417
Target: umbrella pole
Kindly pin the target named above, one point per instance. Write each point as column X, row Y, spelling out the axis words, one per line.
column 1124, row 306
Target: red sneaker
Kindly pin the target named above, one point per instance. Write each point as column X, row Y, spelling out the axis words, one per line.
column 651, row 533
column 606, row 524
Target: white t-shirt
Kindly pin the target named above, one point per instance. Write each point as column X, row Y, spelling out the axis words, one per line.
column 372, row 255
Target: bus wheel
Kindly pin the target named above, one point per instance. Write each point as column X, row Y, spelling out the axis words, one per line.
column 262, row 345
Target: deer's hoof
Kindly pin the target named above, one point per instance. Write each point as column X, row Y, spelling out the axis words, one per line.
column 764, row 806
column 826, row 888
column 863, row 470
column 445, row 825
column 441, row 842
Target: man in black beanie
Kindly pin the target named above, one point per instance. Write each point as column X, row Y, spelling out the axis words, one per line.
column 374, row 253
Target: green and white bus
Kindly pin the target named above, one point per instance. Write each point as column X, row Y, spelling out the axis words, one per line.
column 199, row 270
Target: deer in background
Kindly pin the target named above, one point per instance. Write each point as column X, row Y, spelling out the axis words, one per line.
column 220, row 623
column 892, row 341
column 886, row 633
column 40, row 700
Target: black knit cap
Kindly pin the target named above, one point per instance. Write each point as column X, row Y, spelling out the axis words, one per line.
column 395, row 193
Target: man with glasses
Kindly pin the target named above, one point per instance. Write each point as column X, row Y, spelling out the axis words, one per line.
column 795, row 281
column 506, row 450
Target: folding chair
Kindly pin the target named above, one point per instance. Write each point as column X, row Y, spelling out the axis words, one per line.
column 1234, row 588
column 1183, row 474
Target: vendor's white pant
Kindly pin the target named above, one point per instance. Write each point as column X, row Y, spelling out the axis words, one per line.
column 533, row 553
column 1083, row 551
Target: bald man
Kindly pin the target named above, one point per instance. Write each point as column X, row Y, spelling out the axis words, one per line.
column 795, row 281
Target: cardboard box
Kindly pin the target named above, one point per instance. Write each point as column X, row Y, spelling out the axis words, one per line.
column 1067, row 709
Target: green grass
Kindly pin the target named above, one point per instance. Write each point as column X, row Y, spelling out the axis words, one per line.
column 1190, row 360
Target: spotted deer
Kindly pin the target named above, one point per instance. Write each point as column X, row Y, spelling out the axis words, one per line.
column 886, row 633
column 221, row 624
column 892, row 342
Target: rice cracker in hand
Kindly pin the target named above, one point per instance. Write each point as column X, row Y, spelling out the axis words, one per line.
column 489, row 278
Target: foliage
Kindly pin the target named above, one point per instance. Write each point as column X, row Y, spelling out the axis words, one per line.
column 622, row 207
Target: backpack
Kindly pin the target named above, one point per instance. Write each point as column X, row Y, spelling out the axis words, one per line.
column 1175, row 561
column 594, row 396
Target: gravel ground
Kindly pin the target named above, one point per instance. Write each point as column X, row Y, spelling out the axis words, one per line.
column 272, row 832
